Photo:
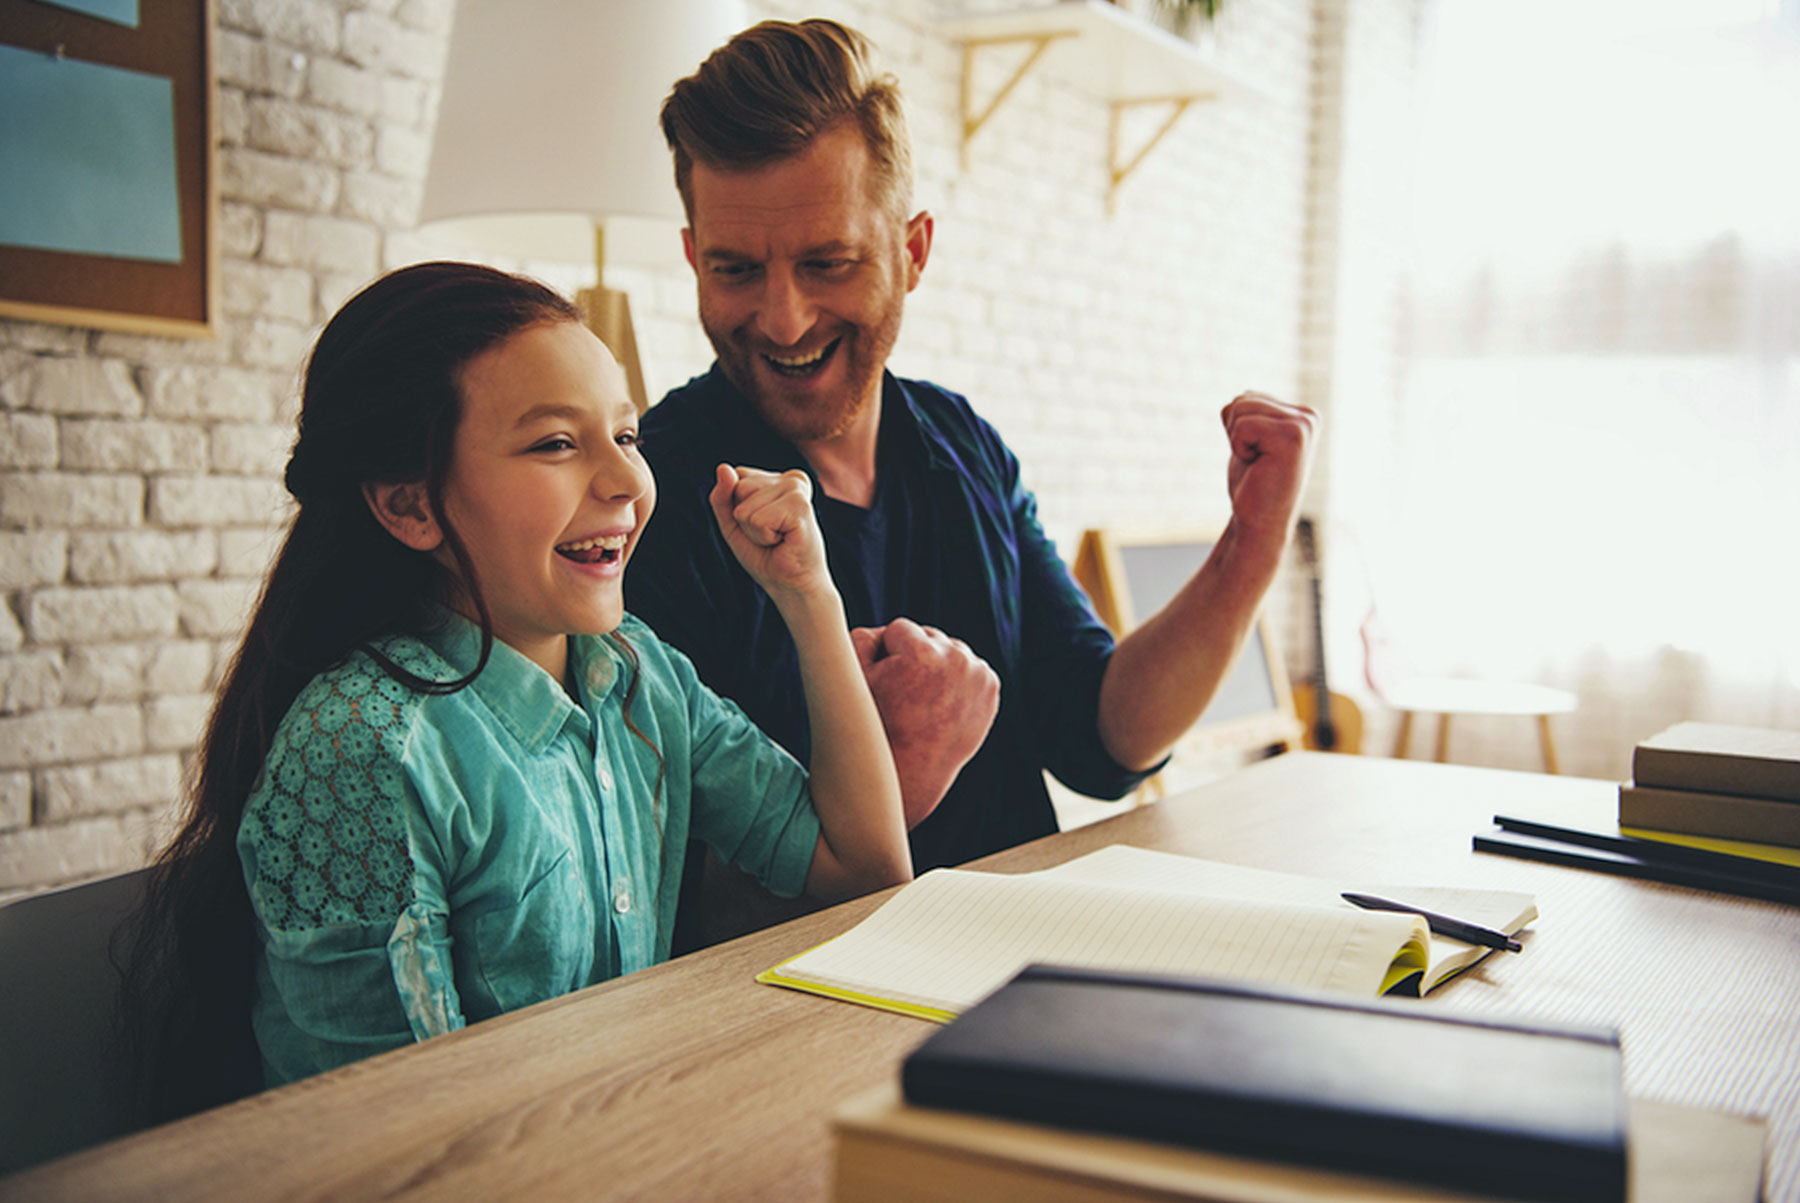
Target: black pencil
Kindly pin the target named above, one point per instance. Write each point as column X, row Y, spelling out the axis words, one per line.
column 1443, row 925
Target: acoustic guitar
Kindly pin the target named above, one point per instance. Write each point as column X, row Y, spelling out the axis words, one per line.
column 1331, row 721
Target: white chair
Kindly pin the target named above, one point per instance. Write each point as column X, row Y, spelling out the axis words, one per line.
column 63, row 1081
column 1391, row 677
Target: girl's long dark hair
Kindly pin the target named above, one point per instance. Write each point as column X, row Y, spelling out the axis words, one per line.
column 380, row 403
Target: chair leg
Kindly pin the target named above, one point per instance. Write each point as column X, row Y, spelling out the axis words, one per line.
column 1548, row 744
column 1405, row 736
column 1443, row 738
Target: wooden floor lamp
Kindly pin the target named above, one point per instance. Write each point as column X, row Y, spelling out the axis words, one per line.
column 607, row 312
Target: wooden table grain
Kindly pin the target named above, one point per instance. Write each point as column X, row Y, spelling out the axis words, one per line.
column 690, row 1081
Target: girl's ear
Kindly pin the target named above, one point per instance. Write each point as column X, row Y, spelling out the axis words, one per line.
column 404, row 511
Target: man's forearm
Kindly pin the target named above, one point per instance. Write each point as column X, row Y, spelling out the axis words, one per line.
column 926, row 774
column 1163, row 675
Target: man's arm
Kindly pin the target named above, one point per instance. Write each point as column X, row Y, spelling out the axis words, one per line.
column 937, row 700
column 1163, row 675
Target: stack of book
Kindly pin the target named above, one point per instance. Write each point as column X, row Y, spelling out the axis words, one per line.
column 1075, row 1086
column 1730, row 789
column 1711, row 806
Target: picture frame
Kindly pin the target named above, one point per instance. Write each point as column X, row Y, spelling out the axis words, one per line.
column 81, row 67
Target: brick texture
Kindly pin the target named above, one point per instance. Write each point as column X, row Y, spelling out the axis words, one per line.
column 85, row 386
column 30, row 681
column 27, row 441
column 31, row 558
column 67, row 736
column 210, row 500
column 108, row 787
column 15, row 800
column 52, row 500
column 117, row 445
column 40, row 857
column 100, row 614
column 122, row 557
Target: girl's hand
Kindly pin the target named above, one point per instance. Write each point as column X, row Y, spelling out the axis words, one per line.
column 769, row 523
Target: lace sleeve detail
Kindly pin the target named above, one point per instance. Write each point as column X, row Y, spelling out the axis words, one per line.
column 325, row 833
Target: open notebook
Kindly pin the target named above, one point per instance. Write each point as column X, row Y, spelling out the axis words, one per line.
column 953, row 936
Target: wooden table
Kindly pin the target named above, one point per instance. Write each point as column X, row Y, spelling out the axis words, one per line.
column 690, row 1081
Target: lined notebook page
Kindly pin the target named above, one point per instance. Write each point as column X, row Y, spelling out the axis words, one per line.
column 1142, row 868
column 1122, row 864
column 953, row 936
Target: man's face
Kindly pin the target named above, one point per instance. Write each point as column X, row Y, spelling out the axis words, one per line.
column 803, row 276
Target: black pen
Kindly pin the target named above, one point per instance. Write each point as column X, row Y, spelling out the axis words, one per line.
column 1443, row 925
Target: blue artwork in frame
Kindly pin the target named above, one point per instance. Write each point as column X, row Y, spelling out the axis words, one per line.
column 87, row 158
column 119, row 12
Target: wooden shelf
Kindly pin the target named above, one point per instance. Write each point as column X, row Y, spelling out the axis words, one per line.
column 1104, row 51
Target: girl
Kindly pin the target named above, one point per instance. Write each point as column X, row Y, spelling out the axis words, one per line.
column 447, row 775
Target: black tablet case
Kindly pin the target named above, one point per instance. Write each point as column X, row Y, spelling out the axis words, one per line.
column 1392, row 1089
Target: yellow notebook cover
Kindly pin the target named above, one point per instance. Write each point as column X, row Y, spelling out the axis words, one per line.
column 1774, row 853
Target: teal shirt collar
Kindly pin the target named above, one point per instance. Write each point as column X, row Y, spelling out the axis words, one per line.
column 522, row 697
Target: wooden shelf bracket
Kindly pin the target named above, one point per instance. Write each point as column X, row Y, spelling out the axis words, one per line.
column 973, row 121
column 1105, row 52
column 1116, row 170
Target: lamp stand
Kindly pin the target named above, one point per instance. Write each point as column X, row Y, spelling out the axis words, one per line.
column 607, row 312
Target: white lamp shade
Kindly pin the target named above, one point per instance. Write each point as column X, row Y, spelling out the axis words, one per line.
column 550, row 106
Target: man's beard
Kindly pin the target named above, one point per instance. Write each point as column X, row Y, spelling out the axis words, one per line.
column 811, row 419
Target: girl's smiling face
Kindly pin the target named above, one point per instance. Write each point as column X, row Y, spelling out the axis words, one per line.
column 547, row 487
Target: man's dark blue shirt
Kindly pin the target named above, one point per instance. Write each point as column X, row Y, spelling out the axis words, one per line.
column 951, row 540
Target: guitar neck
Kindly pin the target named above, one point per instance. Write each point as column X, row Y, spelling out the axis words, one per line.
column 1324, row 733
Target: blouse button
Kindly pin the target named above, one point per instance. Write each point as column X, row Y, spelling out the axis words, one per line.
column 622, row 897
column 606, row 781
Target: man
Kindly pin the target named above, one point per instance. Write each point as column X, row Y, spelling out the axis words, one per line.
column 793, row 163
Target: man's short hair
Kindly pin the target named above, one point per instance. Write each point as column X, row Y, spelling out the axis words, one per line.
column 766, row 94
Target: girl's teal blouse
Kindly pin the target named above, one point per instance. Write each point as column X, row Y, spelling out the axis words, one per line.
column 420, row 861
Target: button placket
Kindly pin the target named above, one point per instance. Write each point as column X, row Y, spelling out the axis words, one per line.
column 623, row 898
column 632, row 908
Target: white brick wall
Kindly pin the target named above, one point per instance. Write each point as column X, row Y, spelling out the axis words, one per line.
column 38, row 500
column 15, row 800
column 65, row 736
column 83, row 386
column 107, row 787
column 140, row 477
column 31, row 558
